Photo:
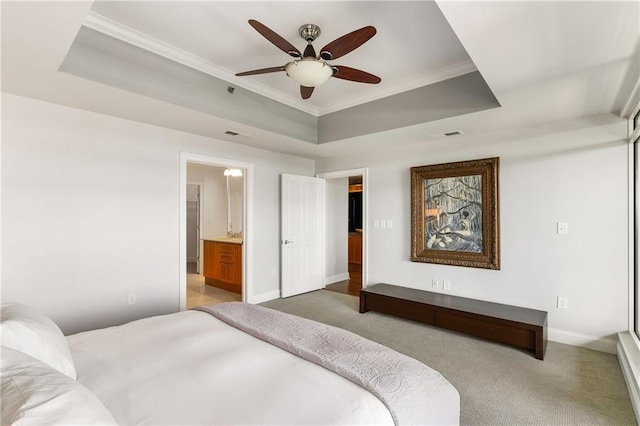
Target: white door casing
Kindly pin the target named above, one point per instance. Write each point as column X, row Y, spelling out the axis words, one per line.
column 302, row 234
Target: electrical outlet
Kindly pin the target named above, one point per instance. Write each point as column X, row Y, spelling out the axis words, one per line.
column 563, row 303
column 434, row 283
column 446, row 285
column 132, row 299
column 562, row 228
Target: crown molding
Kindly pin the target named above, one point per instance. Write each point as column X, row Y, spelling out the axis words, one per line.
column 128, row 35
column 434, row 77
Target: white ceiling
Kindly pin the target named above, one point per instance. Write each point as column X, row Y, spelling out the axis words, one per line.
column 544, row 61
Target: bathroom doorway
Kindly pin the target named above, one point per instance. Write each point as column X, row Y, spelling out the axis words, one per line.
column 221, row 228
column 221, row 199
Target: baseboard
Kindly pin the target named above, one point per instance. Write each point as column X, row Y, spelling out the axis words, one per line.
column 264, row 297
column 575, row 339
column 336, row 278
column 629, row 358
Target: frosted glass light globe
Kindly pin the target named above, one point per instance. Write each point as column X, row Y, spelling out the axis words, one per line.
column 309, row 72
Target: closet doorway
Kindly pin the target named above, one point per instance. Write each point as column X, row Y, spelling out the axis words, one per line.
column 346, row 269
column 354, row 249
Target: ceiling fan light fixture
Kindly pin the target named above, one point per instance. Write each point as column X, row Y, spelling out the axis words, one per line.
column 309, row 72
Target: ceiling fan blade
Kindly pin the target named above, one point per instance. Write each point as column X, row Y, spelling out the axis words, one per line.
column 261, row 71
column 352, row 74
column 306, row 92
column 347, row 43
column 276, row 39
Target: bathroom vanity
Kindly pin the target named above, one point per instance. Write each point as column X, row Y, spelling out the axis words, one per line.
column 223, row 263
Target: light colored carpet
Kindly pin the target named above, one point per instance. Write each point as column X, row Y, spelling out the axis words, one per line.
column 498, row 384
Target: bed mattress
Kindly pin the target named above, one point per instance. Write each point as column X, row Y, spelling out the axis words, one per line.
column 191, row 368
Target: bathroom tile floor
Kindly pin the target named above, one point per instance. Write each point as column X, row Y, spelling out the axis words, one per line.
column 198, row 293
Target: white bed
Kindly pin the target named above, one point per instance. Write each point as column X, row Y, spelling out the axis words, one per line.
column 192, row 368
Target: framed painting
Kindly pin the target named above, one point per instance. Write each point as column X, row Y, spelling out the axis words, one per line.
column 454, row 214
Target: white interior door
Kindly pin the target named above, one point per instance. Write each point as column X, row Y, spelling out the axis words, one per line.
column 302, row 239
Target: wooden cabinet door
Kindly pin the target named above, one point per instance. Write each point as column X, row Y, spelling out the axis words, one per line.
column 230, row 260
column 227, row 265
column 238, row 265
column 355, row 249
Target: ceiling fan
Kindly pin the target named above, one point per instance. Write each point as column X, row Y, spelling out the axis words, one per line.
column 310, row 70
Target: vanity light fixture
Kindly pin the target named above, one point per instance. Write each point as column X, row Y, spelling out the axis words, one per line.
column 233, row 172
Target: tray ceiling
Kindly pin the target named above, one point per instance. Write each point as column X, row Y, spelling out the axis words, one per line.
column 414, row 45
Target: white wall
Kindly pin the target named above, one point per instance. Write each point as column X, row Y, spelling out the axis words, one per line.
column 213, row 198
column 573, row 171
column 90, row 209
column 337, row 197
column 236, row 201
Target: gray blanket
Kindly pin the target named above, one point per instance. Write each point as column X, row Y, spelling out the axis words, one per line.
column 413, row 393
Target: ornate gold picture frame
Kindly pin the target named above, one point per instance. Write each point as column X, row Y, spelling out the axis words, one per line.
column 455, row 214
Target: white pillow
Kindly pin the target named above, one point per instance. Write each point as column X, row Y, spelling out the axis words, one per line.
column 27, row 330
column 35, row 394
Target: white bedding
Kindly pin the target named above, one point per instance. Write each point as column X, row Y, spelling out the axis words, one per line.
column 191, row 368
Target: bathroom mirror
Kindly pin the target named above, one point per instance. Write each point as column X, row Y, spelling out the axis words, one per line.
column 235, row 202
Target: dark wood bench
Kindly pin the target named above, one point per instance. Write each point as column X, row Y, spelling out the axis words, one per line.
column 521, row 327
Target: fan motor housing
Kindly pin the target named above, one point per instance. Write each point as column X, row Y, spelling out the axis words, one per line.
column 309, row 32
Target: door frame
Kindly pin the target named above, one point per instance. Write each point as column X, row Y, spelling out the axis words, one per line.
column 247, row 229
column 199, row 184
column 364, row 172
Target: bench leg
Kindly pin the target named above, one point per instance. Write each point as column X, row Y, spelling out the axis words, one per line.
column 540, row 344
column 363, row 304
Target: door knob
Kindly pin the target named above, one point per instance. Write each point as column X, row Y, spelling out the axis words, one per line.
column 287, row 242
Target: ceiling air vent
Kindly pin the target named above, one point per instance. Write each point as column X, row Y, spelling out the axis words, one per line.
column 445, row 134
column 231, row 133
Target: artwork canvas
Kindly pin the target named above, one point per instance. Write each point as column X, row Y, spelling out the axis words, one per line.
column 455, row 213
